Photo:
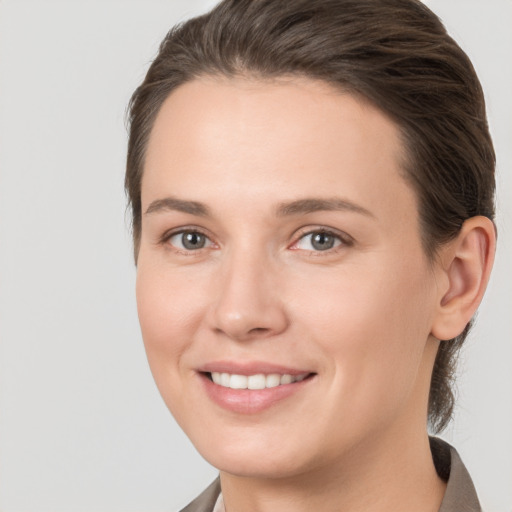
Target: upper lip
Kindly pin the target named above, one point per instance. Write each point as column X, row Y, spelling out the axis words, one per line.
column 250, row 368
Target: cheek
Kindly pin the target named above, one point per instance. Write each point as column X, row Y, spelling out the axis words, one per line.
column 392, row 305
column 169, row 312
column 373, row 327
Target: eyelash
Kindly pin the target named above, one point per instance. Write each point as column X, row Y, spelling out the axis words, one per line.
column 165, row 240
column 343, row 240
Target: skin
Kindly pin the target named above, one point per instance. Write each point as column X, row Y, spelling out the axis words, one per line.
column 364, row 317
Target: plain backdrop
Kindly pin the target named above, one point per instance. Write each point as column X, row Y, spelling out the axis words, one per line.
column 82, row 427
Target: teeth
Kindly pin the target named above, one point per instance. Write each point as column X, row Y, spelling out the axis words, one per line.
column 224, row 380
column 286, row 379
column 238, row 382
column 258, row 381
column 273, row 380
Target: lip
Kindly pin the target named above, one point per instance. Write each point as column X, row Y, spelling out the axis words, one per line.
column 247, row 401
column 250, row 368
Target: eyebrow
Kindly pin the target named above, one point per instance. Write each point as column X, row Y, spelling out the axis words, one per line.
column 310, row 205
column 180, row 205
column 297, row 207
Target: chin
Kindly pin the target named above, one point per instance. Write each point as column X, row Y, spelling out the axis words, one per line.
column 248, row 465
column 256, row 458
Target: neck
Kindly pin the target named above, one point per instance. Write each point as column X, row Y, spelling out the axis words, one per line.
column 385, row 477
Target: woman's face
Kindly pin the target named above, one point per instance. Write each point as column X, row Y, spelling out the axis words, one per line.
column 281, row 257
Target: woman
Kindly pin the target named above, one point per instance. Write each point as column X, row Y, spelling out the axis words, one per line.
column 312, row 189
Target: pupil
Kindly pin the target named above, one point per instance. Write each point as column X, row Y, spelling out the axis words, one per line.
column 322, row 241
column 193, row 240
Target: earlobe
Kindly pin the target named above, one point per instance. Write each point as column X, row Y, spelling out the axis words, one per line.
column 467, row 262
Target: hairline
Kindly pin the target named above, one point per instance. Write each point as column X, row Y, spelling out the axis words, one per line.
column 405, row 158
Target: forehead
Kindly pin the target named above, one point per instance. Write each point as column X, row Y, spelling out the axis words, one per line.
column 262, row 140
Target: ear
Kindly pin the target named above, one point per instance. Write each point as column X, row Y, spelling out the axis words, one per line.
column 465, row 265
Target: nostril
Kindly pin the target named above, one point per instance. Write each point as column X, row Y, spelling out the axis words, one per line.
column 257, row 330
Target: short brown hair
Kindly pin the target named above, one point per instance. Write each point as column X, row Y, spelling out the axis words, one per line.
column 395, row 53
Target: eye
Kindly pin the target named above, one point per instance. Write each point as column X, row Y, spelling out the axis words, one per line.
column 189, row 240
column 319, row 240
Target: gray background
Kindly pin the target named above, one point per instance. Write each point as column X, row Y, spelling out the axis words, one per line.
column 82, row 427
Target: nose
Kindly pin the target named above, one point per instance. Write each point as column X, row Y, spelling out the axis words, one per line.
column 249, row 301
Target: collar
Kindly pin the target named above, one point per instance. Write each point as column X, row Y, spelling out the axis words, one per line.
column 460, row 492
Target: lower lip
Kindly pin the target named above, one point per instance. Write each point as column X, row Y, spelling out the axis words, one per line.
column 250, row 401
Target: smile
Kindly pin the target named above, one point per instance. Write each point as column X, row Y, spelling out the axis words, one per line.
column 255, row 382
column 251, row 388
